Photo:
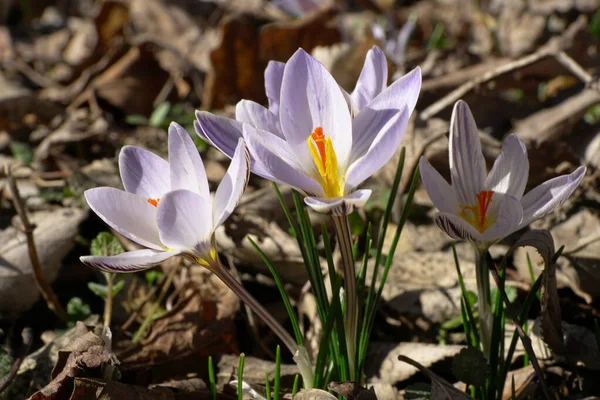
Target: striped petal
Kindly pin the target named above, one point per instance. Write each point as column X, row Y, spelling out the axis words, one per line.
column 129, row 214
column 403, row 93
column 380, row 151
column 545, row 198
column 311, row 98
column 511, row 169
column 187, row 169
column 467, row 165
column 439, row 191
column 258, row 116
column 510, row 215
column 143, row 172
column 457, row 228
column 132, row 261
column 339, row 205
column 372, row 79
column 232, row 186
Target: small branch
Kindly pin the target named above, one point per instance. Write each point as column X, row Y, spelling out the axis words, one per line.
column 27, row 336
column 522, row 335
column 554, row 48
column 28, row 228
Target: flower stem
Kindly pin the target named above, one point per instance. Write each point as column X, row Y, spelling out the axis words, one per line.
column 108, row 302
column 484, row 301
column 141, row 332
column 342, row 229
column 299, row 352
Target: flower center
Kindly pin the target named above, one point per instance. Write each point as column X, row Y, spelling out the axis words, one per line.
column 321, row 149
column 477, row 215
column 154, row 202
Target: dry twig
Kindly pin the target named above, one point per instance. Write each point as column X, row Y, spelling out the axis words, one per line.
column 28, row 228
column 554, row 48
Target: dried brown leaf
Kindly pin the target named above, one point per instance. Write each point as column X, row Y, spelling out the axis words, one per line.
column 352, row 391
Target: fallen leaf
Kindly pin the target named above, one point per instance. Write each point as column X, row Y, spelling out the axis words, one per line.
column 352, row 390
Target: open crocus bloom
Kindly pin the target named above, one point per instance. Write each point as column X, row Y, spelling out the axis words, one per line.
column 166, row 206
column 481, row 209
column 316, row 137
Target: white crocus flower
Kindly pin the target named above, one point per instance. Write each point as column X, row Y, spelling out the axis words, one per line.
column 484, row 208
column 166, row 206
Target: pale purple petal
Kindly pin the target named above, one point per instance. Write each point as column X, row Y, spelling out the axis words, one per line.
column 509, row 217
column 143, row 172
column 273, row 78
column 278, row 160
column 232, row 186
column 298, row 8
column 546, row 197
column 365, row 128
column 311, row 98
column 372, row 79
column 511, row 169
column 457, row 228
column 132, row 261
column 187, row 169
column 404, row 92
column 129, row 214
column 399, row 48
column 438, row 189
column 258, row 116
column 467, row 165
column 339, row 205
column 224, row 134
column 221, row 132
column 381, row 150
column 185, row 221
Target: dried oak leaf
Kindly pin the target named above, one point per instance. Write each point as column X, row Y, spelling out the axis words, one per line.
column 85, row 353
column 353, row 391
column 91, row 389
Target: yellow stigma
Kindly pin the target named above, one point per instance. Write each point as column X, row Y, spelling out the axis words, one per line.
column 477, row 215
column 325, row 159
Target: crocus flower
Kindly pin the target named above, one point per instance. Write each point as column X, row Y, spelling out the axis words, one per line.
column 395, row 40
column 484, row 208
column 316, row 137
column 166, row 206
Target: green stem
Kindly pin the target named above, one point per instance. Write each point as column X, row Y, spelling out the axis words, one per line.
column 484, row 301
column 108, row 303
column 342, row 229
column 299, row 352
column 141, row 332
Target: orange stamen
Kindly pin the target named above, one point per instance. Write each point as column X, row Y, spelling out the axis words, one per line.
column 154, row 202
column 319, row 139
column 484, row 198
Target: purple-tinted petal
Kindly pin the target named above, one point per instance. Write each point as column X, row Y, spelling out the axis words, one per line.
column 372, row 79
column 467, row 165
column 402, row 93
column 546, row 197
column 339, row 205
column 457, row 228
column 143, row 172
column 187, row 169
column 129, row 214
column 273, row 78
column 398, row 50
column 509, row 216
column 132, row 261
column 365, row 128
column 185, row 221
column 439, row 191
column 511, row 169
column 278, row 161
column 311, row 98
column 221, row 132
column 297, row 8
column 381, row 150
column 256, row 115
column 232, row 186
column 224, row 134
